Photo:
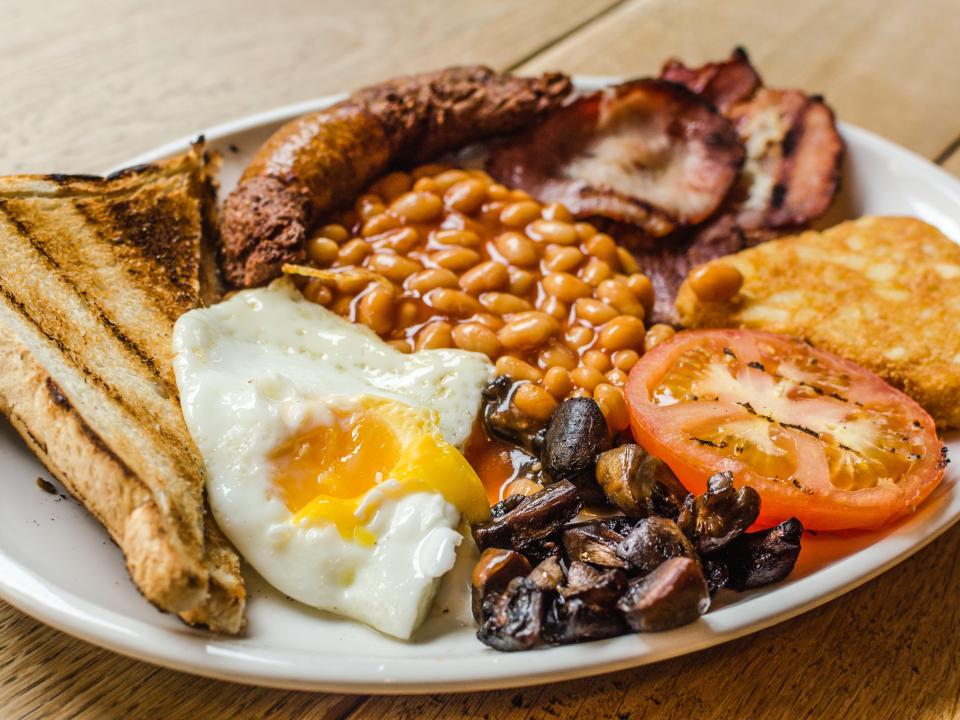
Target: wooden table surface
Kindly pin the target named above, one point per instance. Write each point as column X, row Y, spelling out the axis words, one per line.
column 85, row 85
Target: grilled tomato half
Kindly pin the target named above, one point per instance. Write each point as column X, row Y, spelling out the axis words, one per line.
column 819, row 437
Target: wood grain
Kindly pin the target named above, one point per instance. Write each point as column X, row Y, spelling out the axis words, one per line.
column 87, row 85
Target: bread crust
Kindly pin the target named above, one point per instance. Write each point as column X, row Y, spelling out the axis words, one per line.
column 93, row 275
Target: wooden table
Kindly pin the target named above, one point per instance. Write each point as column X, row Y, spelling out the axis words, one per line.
column 85, row 85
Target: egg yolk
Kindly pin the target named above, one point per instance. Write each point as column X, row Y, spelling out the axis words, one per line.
column 324, row 473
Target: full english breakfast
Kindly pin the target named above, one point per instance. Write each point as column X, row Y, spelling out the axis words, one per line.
column 588, row 336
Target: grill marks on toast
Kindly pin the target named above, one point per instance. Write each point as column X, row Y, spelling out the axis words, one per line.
column 93, row 274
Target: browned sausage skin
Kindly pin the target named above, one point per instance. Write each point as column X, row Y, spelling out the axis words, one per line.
column 322, row 160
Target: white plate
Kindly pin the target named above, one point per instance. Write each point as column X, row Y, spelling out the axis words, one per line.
column 57, row 564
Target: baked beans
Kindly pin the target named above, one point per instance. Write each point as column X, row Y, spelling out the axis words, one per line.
column 442, row 257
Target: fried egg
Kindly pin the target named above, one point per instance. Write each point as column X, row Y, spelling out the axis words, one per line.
column 332, row 460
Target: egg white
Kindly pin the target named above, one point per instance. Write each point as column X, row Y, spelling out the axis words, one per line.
column 258, row 369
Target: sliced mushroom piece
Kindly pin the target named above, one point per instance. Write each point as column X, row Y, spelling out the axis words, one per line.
column 760, row 558
column 712, row 520
column 548, row 574
column 648, row 152
column 513, row 620
column 593, row 542
column 576, row 434
column 493, row 572
column 534, row 517
column 638, row 483
column 674, row 594
column 585, row 608
column 715, row 572
column 652, row 542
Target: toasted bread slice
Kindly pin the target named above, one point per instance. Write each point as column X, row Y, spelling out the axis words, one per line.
column 881, row 291
column 93, row 274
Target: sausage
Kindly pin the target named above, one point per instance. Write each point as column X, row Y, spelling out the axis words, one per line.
column 322, row 160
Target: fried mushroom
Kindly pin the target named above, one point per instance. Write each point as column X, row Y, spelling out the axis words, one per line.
column 761, row 558
column 533, row 518
column 576, row 435
column 673, row 594
column 638, row 483
column 652, row 542
column 712, row 520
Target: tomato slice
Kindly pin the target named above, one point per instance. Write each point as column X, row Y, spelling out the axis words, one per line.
column 819, row 437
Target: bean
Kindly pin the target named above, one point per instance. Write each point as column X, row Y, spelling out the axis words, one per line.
column 595, row 272
column 594, row 311
column 528, row 330
column 429, row 170
column 351, row 283
column 579, row 336
column 560, row 258
column 586, row 378
column 494, row 322
column 519, row 214
column 456, row 259
column 379, row 223
column 466, row 196
column 434, row 335
column 533, row 401
column 625, row 359
column 716, row 281
column 517, row 249
column 408, row 312
column 498, row 192
column 477, row 338
column 597, row 359
column 521, row 281
column 504, row 303
column 627, row 261
column 417, row 206
column 464, row 238
column 621, row 297
column 489, row 275
column 641, row 286
column 517, row 369
column 394, row 267
column 617, row 377
column 451, row 302
column 401, row 345
column 401, row 240
column 557, row 382
column 426, row 280
column 612, row 405
column 426, row 185
column 552, row 231
column 566, row 287
column 393, row 185
column 585, row 231
column 603, row 247
column 317, row 291
column 376, row 308
column 579, row 392
column 353, row 252
column 323, row 251
column 557, row 211
column 556, row 354
column 522, row 486
column 337, row 233
column 621, row 333
column 554, row 307
column 656, row 335
column 449, row 178
column 368, row 205
column 342, row 305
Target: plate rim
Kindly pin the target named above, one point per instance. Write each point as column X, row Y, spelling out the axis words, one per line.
column 113, row 630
